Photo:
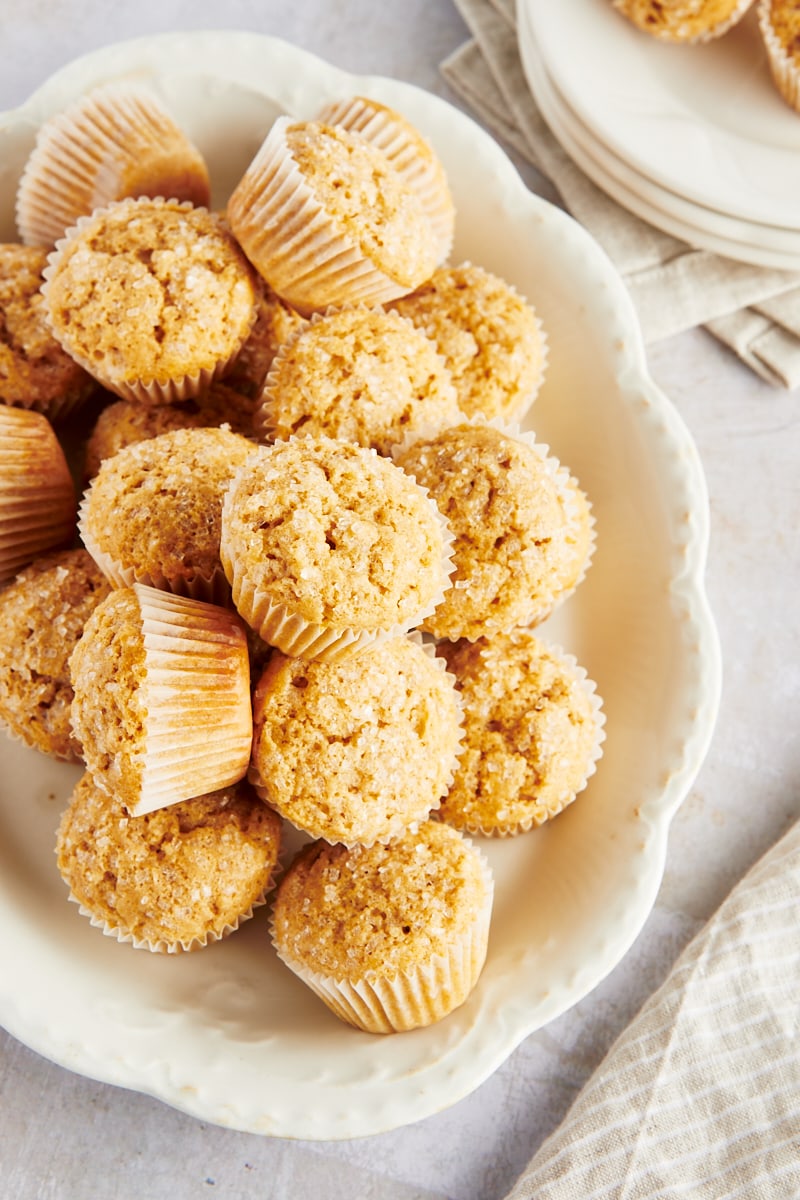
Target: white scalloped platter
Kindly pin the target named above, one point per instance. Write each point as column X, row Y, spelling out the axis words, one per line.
column 228, row 1034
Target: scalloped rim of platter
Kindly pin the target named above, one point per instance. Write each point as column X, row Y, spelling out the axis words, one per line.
column 228, row 1035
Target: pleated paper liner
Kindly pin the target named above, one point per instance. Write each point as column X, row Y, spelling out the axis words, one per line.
column 782, row 56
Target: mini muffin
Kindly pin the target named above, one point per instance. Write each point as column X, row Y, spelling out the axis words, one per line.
column 34, row 371
column 275, row 323
column 152, row 297
column 328, row 546
column 42, row 614
column 408, row 152
column 126, row 422
column 522, row 528
column 360, row 375
column 779, row 22
column 161, row 698
column 173, row 880
column 390, row 937
column 152, row 513
column 37, row 495
column 534, row 733
column 114, row 142
column 683, row 21
column 327, row 220
column 491, row 339
column 358, row 751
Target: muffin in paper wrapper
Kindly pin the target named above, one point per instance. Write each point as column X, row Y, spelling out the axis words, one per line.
column 682, row 16
column 784, row 66
column 115, row 141
column 37, row 495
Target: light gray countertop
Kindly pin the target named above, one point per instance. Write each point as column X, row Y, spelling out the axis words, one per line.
column 63, row 1137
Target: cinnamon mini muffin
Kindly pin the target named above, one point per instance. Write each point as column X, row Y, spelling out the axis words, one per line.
column 360, row 375
column 534, row 733
column 389, row 937
column 326, row 219
column 152, row 297
column 683, row 21
column 522, row 527
column 779, row 22
column 114, row 142
column 328, row 546
column 152, row 513
column 171, row 880
column 42, row 614
column 161, row 698
column 357, row 751
column 34, row 371
column 491, row 339
column 37, row 495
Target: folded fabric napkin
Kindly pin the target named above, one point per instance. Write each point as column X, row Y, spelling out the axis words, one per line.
column 755, row 311
column 700, row 1096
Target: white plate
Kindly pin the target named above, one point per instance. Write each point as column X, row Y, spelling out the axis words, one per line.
column 228, row 1034
column 704, row 121
column 760, row 245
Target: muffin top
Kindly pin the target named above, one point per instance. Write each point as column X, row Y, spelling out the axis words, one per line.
column 383, row 909
column 533, row 733
column 681, row 20
column 34, row 371
column 356, row 751
column 153, row 511
column 490, row 338
column 146, row 290
column 504, row 502
column 43, row 613
column 178, row 875
column 334, row 532
column 360, row 375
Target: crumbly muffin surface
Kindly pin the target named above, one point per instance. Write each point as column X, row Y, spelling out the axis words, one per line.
column 353, row 913
column 34, row 370
column 784, row 21
column 532, row 733
column 356, row 751
column 171, row 876
column 359, row 375
column 43, row 613
column 334, row 532
column 678, row 20
column 490, row 338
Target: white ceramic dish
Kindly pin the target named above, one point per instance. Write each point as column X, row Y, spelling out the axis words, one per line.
column 746, row 241
column 228, row 1034
column 704, row 121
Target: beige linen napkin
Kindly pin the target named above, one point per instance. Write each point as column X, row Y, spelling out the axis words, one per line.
column 700, row 1096
column 754, row 311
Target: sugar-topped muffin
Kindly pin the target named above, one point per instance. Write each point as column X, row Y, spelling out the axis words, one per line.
column 683, row 21
column 522, row 527
column 153, row 511
column 490, row 337
column 172, row 880
column 356, row 751
column 152, row 297
column 34, row 371
column 42, row 613
column 359, row 375
column 391, row 937
column 534, row 731
column 328, row 545
column 326, row 219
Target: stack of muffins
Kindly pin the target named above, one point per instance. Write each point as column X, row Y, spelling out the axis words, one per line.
column 315, row 545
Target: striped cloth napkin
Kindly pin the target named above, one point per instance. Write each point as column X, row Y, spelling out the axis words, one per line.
column 700, row 1096
column 755, row 311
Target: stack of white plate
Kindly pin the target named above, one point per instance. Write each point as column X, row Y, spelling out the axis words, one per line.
column 694, row 139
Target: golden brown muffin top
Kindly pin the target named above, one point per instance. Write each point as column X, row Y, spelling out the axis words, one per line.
column 680, row 20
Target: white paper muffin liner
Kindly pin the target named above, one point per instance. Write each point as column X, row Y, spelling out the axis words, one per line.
column 502, row 829
column 290, row 239
column 37, row 495
column 783, row 66
column 169, row 389
column 409, row 999
column 402, row 821
column 411, row 155
column 80, row 152
column 703, row 36
column 297, row 637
